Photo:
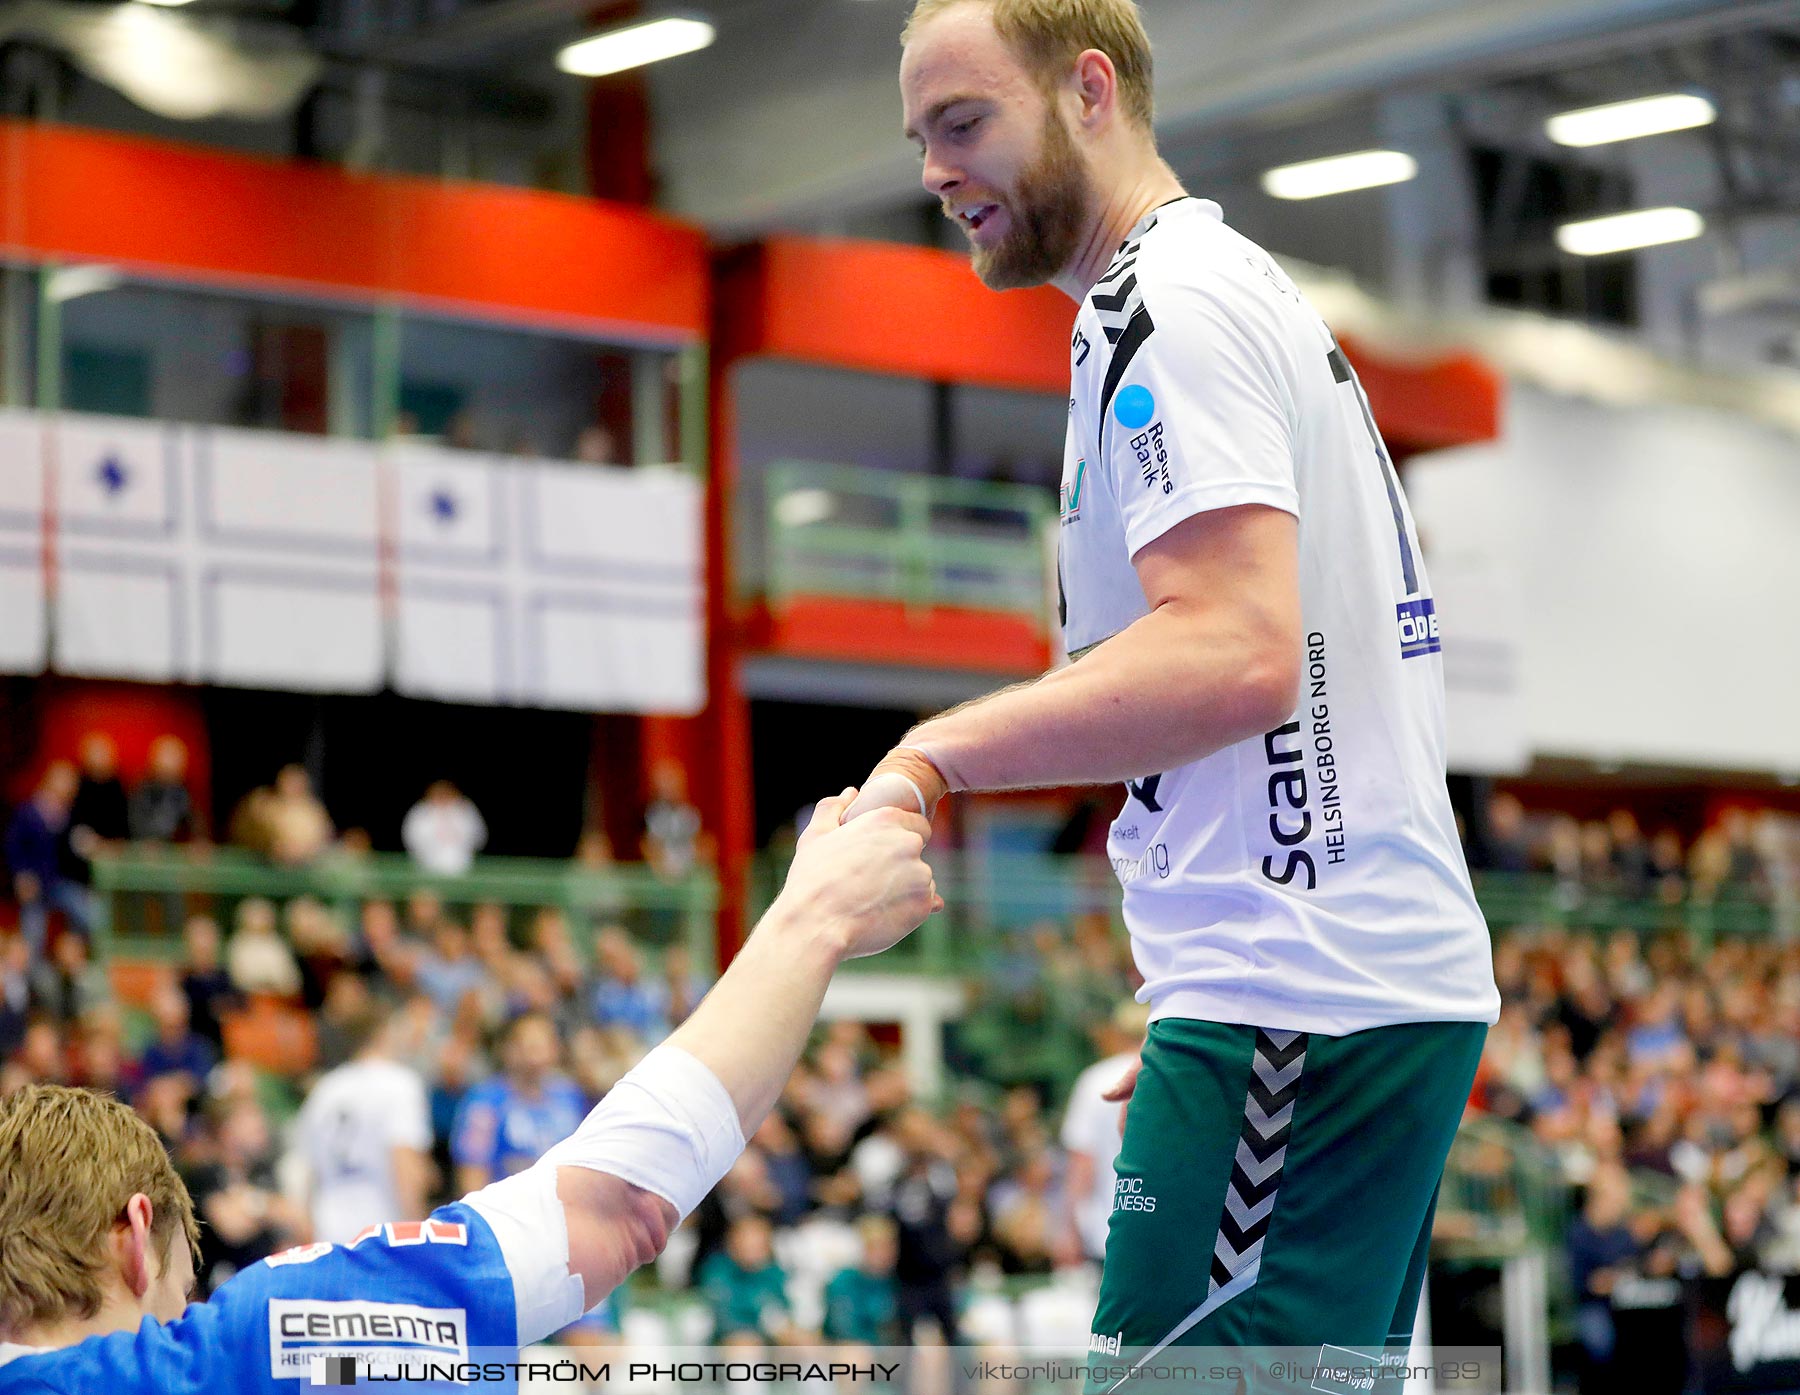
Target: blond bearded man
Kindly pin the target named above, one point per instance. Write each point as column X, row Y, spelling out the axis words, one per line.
column 97, row 1233
column 1257, row 656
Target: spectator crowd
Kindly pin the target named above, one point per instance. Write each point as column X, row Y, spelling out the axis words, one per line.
column 1661, row 1075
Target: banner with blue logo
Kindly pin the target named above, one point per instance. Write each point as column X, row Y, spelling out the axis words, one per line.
column 202, row 554
column 547, row 585
column 24, row 633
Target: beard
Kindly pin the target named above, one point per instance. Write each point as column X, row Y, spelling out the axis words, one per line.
column 1048, row 208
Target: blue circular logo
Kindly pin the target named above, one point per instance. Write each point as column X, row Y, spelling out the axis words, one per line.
column 1134, row 407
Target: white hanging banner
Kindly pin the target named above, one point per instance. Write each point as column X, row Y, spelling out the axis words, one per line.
column 546, row 585
column 614, row 605
column 287, row 536
column 194, row 554
column 454, row 620
column 24, row 634
column 122, row 523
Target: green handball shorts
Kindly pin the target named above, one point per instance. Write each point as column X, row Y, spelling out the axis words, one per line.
column 1276, row 1189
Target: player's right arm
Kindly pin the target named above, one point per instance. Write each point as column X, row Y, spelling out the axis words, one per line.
column 604, row 1201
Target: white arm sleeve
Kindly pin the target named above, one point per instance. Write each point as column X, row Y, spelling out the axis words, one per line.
column 669, row 1127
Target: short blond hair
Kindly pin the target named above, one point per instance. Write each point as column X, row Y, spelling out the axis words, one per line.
column 70, row 1161
column 1049, row 35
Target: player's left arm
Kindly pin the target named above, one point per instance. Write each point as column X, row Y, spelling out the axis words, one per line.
column 1215, row 662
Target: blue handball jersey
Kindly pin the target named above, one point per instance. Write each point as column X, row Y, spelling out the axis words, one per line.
column 504, row 1131
column 398, row 1296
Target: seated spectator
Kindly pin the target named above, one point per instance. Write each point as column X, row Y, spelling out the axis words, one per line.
column 551, row 940
column 744, row 1288
column 508, row 1122
column 71, row 984
column 15, row 992
column 1633, row 866
column 1746, row 870
column 622, row 998
column 35, row 854
column 99, row 815
column 258, row 959
column 236, row 1193
column 673, row 843
column 299, row 829
column 101, row 1061
column 161, row 810
column 44, row 1052
column 321, row 948
column 204, row 982
column 678, row 988
column 1506, row 846
column 177, row 1049
column 1602, row 1249
column 787, row 1168
column 861, row 1304
column 448, row 972
column 444, row 831
column 1668, row 867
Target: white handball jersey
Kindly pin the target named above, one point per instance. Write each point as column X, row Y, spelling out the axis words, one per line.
column 348, row 1129
column 1309, row 879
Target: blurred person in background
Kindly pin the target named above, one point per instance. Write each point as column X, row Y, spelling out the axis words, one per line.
column 678, row 986
column 1634, row 870
column 448, row 971
column 100, row 814
column 673, row 843
column 177, row 1049
column 321, row 948
column 364, row 1133
column 161, row 809
column 299, row 829
column 862, row 1302
column 205, row 983
column 257, row 958
column 1602, row 1248
column 1506, row 842
column 444, row 831
column 70, row 984
column 1027, row 1214
column 15, row 992
column 36, row 855
column 622, row 996
column 231, row 1177
column 930, row 1254
column 507, row 1123
column 44, row 1052
column 1093, row 1126
column 745, row 1290
column 283, row 821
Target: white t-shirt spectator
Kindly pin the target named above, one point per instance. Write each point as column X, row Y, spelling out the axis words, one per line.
column 349, row 1127
column 1091, row 1126
column 443, row 835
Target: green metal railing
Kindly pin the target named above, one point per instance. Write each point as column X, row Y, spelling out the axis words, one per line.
column 137, row 888
column 990, row 897
column 920, row 539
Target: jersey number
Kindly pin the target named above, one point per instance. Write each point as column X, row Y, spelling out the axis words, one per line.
column 1342, row 372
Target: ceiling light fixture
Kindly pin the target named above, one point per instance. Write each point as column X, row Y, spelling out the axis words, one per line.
column 1339, row 174
column 1626, row 232
column 1642, row 116
column 633, row 46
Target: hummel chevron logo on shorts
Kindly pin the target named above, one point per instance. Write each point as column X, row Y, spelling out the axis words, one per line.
column 1261, row 1153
